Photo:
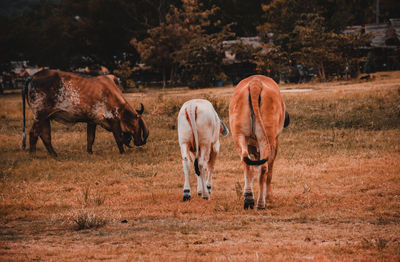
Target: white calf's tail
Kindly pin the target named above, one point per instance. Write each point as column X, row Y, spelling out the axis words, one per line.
column 191, row 113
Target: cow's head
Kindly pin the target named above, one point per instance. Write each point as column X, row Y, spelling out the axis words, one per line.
column 133, row 125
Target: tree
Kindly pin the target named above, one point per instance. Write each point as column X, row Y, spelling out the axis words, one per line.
column 308, row 38
column 271, row 60
column 124, row 71
column 67, row 34
column 179, row 41
column 158, row 49
column 201, row 60
column 327, row 50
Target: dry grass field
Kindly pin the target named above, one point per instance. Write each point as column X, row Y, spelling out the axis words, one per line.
column 336, row 185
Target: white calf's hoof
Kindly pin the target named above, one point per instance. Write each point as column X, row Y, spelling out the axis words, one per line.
column 186, row 195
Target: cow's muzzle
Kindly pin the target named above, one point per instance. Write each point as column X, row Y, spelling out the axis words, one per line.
column 143, row 138
column 139, row 143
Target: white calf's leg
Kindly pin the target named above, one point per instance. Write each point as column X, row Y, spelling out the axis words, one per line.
column 186, row 168
column 199, row 185
column 203, row 159
column 209, row 181
column 211, row 165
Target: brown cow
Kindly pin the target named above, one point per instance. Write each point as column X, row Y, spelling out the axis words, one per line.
column 257, row 116
column 71, row 98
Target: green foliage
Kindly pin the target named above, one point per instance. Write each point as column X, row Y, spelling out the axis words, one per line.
column 369, row 64
column 124, row 71
column 274, row 62
column 201, row 60
column 67, row 34
column 323, row 48
column 180, row 26
column 181, row 41
column 307, row 38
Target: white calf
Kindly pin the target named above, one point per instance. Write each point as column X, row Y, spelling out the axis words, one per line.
column 198, row 130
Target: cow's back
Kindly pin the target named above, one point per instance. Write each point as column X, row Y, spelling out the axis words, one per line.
column 207, row 121
column 70, row 97
column 205, row 117
column 42, row 91
column 272, row 108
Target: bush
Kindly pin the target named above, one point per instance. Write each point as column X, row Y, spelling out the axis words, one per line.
column 84, row 219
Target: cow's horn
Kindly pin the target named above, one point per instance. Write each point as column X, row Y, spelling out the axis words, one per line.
column 140, row 111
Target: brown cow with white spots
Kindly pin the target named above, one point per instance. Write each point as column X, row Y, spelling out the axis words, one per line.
column 257, row 116
column 71, row 98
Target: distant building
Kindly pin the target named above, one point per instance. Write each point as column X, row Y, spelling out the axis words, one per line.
column 230, row 56
column 383, row 52
column 235, row 66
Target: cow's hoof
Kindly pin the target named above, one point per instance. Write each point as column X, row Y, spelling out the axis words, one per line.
column 186, row 195
column 261, row 208
column 209, row 189
column 199, row 193
column 248, row 200
column 248, row 203
column 206, row 197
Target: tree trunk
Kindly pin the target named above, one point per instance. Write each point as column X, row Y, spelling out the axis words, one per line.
column 321, row 71
column 172, row 76
column 164, row 77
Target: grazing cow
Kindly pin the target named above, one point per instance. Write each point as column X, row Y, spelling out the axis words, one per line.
column 257, row 116
column 198, row 130
column 72, row 98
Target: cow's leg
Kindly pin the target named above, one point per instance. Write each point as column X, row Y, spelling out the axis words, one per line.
column 186, row 168
column 199, row 185
column 119, row 141
column 270, row 168
column 242, row 148
column 267, row 149
column 261, row 194
column 211, row 165
column 117, row 132
column 203, row 166
column 45, row 135
column 33, row 136
column 248, row 187
column 91, row 134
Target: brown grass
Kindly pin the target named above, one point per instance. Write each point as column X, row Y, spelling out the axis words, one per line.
column 336, row 185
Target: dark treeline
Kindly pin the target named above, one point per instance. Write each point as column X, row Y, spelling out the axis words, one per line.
column 181, row 40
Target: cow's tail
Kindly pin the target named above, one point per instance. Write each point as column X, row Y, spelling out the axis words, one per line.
column 287, row 119
column 255, row 89
column 192, row 119
column 24, row 93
